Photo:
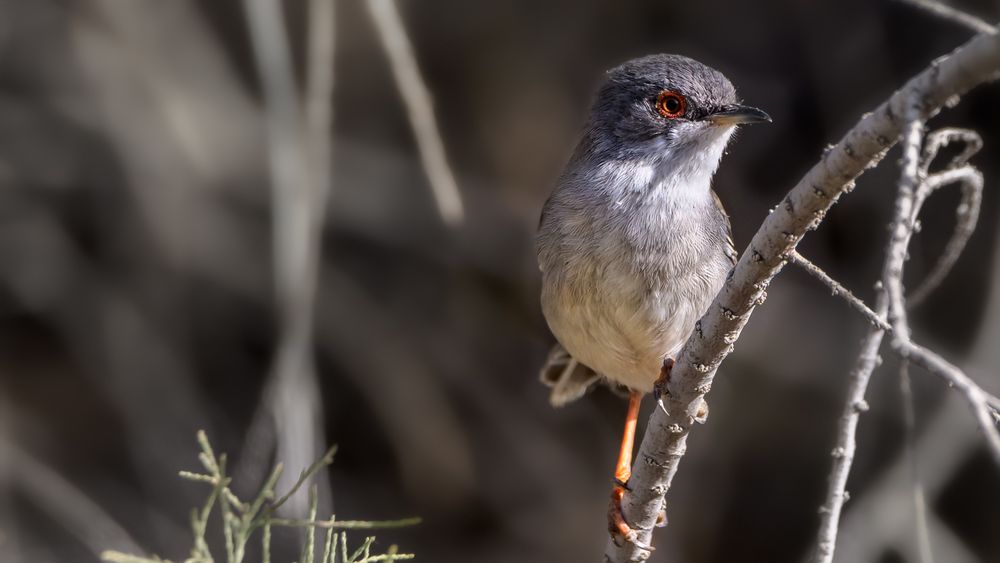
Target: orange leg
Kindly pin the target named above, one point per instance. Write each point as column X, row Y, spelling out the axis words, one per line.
column 624, row 468
column 616, row 521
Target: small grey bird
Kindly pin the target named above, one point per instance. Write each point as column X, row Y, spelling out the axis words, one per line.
column 633, row 244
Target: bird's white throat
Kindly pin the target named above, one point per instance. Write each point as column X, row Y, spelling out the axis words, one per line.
column 665, row 170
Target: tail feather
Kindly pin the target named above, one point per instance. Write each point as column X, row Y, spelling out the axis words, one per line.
column 568, row 378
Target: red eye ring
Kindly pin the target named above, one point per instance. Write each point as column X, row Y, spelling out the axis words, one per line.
column 670, row 104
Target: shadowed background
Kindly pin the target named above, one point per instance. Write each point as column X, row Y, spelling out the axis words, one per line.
column 136, row 294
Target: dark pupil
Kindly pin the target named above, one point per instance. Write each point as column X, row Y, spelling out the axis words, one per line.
column 672, row 104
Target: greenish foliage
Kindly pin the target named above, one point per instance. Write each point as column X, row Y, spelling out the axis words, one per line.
column 242, row 519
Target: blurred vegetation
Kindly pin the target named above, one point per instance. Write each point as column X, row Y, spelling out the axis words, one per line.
column 241, row 519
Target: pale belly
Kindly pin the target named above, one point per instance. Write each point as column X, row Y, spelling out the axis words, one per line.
column 622, row 325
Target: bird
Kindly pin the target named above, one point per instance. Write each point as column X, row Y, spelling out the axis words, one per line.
column 633, row 243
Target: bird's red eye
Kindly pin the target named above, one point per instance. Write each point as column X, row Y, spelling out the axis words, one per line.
column 670, row 104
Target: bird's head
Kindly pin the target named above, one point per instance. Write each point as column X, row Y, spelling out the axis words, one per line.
column 668, row 103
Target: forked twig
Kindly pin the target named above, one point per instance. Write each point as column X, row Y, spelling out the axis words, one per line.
column 838, row 290
column 948, row 13
column 915, row 186
column 419, row 107
column 967, row 212
column 984, row 405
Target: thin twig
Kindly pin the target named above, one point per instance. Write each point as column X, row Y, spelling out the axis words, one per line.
column 940, row 138
column 265, row 543
column 873, row 523
column 64, row 502
column 346, row 524
column 300, row 182
column 910, row 443
column 390, row 557
column 363, row 550
column 306, row 474
column 838, row 290
column 112, row 556
column 966, row 217
column 946, row 12
column 967, row 212
column 846, row 445
column 309, row 549
column 982, row 403
column 901, row 231
column 319, row 86
column 420, row 109
column 319, row 98
column 329, row 546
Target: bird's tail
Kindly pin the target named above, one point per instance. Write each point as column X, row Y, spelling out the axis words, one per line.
column 568, row 378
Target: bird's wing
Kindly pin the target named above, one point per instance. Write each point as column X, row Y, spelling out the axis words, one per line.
column 568, row 378
column 728, row 233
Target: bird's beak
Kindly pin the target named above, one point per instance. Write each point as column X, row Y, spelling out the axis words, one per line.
column 737, row 114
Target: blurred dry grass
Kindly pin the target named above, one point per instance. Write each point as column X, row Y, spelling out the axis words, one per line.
column 136, row 293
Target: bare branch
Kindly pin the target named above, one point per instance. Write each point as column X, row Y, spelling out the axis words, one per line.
column 919, row 499
column 804, row 207
column 319, row 100
column 901, row 231
column 64, row 502
column 967, row 213
column 966, row 217
column 948, row 13
column 838, row 290
column 300, row 181
column 941, row 138
column 945, row 444
column 419, row 107
column 873, row 524
column 911, row 195
column 846, row 445
column 982, row 403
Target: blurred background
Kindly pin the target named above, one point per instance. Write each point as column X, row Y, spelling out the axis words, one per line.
column 140, row 297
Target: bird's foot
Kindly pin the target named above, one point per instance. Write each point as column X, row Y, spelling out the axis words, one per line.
column 660, row 386
column 702, row 414
column 660, row 391
column 617, row 526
